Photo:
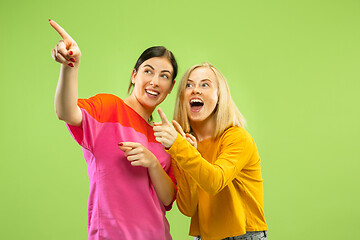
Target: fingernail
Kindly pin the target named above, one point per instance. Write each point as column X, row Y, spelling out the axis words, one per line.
column 71, row 53
column 49, row 20
column 120, row 144
column 72, row 59
column 71, row 65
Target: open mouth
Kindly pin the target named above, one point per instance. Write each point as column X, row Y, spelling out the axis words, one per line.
column 152, row 92
column 196, row 104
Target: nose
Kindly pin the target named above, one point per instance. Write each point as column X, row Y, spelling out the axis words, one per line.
column 154, row 82
column 196, row 91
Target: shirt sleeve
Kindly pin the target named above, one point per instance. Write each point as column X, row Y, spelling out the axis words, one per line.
column 93, row 111
column 236, row 148
column 187, row 196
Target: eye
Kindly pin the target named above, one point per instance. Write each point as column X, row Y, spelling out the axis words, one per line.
column 165, row 76
column 205, row 85
column 188, row 85
column 147, row 71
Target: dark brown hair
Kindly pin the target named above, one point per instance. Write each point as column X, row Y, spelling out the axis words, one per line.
column 157, row 51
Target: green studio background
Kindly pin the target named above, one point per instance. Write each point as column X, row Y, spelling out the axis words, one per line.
column 293, row 69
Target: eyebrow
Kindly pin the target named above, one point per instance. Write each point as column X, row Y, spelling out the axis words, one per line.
column 205, row 79
column 148, row 65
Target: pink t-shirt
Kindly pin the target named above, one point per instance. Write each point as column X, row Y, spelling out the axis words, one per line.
column 122, row 201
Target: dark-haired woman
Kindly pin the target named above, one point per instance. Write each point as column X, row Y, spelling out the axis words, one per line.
column 130, row 174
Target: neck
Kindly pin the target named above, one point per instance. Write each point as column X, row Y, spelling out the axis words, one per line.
column 204, row 129
column 132, row 102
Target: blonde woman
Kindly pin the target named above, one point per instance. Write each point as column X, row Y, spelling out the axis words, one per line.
column 217, row 166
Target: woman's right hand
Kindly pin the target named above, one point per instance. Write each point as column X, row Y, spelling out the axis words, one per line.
column 166, row 134
column 66, row 51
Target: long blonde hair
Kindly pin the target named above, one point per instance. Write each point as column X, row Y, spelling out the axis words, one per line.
column 226, row 113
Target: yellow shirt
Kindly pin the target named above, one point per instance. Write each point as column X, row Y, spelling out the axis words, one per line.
column 220, row 185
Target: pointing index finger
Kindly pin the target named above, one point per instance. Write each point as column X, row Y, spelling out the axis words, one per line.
column 59, row 29
column 178, row 128
column 162, row 116
column 128, row 144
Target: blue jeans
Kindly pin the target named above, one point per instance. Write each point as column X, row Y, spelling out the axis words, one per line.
column 258, row 235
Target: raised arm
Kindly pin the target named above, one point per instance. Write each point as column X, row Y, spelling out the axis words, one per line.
column 68, row 54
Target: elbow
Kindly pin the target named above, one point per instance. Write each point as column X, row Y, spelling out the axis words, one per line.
column 70, row 116
column 186, row 213
column 66, row 117
column 168, row 202
column 214, row 185
column 59, row 115
column 57, row 111
column 186, row 210
column 213, row 190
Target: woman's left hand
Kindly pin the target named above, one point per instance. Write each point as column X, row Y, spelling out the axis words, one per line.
column 138, row 155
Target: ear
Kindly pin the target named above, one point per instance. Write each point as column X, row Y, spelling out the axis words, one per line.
column 133, row 75
column 172, row 86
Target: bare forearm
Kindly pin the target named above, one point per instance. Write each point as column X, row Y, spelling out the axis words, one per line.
column 163, row 184
column 66, row 96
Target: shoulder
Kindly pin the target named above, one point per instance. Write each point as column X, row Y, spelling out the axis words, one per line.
column 101, row 105
column 236, row 136
column 235, row 132
column 106, row 97
column 105, row 100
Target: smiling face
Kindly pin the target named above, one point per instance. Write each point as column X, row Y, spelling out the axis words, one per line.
column 152, row 82
column 201, row 94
